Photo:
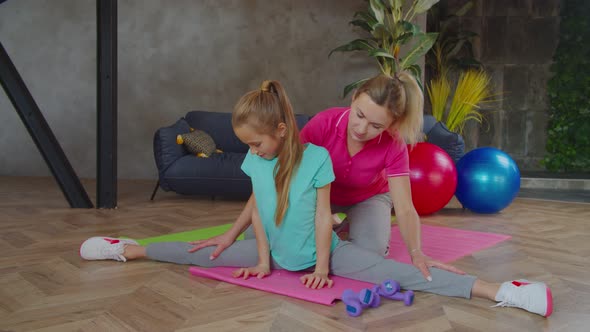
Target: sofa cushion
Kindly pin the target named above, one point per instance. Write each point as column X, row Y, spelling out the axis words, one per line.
column 218, row 174
column 166, row 151
column 219, row 165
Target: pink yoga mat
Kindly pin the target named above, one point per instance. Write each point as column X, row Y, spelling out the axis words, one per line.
column 442, row 243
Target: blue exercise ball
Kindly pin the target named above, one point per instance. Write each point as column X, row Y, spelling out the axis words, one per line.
column 488, row 180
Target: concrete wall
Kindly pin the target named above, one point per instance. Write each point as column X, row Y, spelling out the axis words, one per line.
column 174, row 56
column 181, row 55
column 517, row 41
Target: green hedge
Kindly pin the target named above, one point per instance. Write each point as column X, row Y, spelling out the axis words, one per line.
column 568, row 136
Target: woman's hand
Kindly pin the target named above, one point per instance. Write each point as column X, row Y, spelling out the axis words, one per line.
column 423, row 262
column 260, row 271
column 221, row 241
column 316, row 280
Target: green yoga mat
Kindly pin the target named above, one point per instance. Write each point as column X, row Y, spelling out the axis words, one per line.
column 200, row 234
column 194, row 235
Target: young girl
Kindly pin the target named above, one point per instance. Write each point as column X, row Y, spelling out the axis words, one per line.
column 292, row 220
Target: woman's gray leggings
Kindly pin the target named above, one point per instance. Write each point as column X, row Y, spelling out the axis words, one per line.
column 347, row 260
column 369, row 222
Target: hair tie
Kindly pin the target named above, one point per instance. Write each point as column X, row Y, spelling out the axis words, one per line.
column 265, row 86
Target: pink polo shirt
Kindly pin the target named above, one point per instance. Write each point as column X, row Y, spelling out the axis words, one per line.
column 364, row 175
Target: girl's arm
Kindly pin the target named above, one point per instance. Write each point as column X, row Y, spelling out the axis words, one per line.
column 263, row 268
column 323, row 233
column 261, row 240
column 409, row 226
column 226, row 239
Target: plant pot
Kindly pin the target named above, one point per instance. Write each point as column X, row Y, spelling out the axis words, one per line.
column 447, row 140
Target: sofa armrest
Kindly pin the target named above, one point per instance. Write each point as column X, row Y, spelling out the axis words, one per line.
column 166, row 151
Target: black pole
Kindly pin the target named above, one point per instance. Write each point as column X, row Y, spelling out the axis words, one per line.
column 31, row 115
column 106, row 159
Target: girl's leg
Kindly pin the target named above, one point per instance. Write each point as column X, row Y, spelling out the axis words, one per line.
column 240, row 254
column 370, row 223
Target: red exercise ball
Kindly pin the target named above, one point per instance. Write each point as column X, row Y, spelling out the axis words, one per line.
column 433, row 177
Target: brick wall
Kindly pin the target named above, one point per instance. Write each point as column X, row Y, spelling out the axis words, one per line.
column 517, row 39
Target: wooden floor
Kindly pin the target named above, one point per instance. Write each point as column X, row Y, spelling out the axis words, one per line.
column 45, row 286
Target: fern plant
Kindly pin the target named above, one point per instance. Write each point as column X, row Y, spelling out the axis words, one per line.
column 390, row 26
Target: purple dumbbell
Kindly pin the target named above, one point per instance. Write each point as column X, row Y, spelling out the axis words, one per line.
column 352, row 302
column 370, row 297
column 389, row 287
column 407, row 297
column 391, row 290
column 355, row 302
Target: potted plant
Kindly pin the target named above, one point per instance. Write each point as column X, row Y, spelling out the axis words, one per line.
column 390, row 26
column 472, row 91
column 458, row 74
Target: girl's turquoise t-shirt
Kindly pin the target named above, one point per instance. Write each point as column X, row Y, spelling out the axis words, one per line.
column 292, row 244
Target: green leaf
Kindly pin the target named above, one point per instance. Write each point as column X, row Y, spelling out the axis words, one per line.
column 456, row 48
column 405, row 31
column 463, row 10
column 353, row 86
column 368, row 17
column 379, row 52
column 423, row 5
column 396, row 4
column 361, row 24
column 379, row 31
column 355, row 45
column 378, row 10
column 424, row 43
column 466, row 34
column 415, row 70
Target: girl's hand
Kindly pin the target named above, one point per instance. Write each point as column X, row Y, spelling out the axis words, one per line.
column 423, row 262
column 316, row 280
column 221, row 242
column 260, row 271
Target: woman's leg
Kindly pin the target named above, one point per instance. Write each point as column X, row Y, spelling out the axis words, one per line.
column 340, row 209
column 370, row 223
column 351, row 261
column 485, row 290
column 249, row 233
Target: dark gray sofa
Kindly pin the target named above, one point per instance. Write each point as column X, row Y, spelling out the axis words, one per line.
column 218, row 175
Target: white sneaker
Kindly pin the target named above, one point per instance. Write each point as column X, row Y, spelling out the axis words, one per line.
column 533, row 297
column 103, row 247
